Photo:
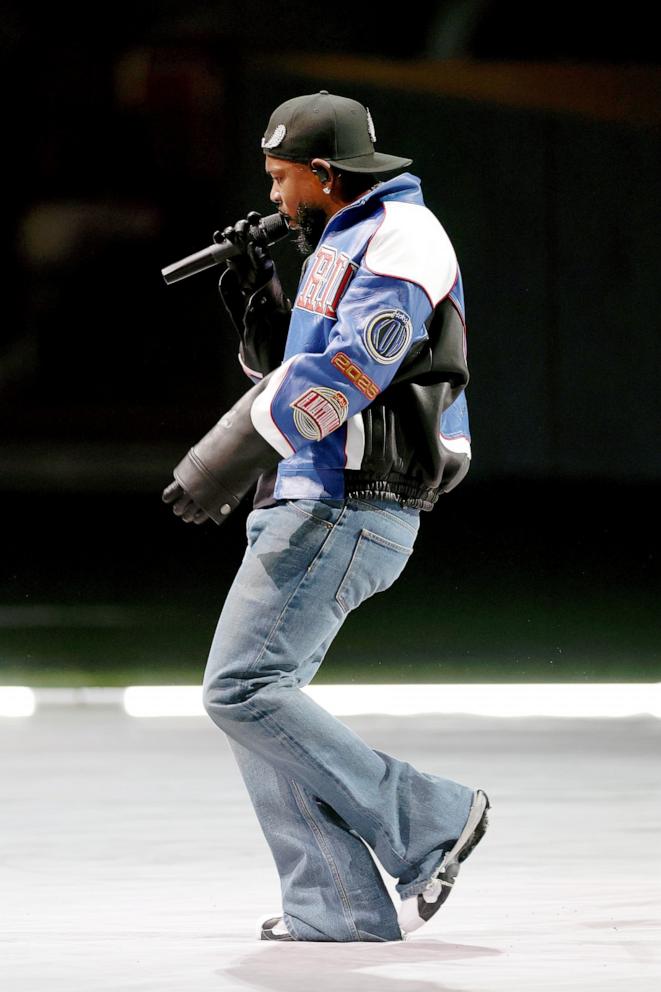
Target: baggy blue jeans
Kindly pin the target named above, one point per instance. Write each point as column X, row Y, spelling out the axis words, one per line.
column 322, row 795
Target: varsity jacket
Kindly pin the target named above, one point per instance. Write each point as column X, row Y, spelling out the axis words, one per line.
column 367, row 369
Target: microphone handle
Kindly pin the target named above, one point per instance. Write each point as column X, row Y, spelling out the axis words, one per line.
column 269, row 230
column 213, row 255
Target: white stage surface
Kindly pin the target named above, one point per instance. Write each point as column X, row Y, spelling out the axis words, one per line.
column 131, row 859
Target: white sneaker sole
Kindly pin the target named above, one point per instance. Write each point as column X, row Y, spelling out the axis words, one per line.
column 260, row 924
column 432, row 898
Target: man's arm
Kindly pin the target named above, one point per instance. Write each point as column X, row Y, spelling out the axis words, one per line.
column 261, row 320
column 217, row 472
column 311, row 395
column 255, row 301
column 380, row 321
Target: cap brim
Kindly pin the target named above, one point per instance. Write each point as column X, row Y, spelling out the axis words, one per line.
column 374, row 162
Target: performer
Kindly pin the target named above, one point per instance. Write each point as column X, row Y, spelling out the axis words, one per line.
column 355, row 423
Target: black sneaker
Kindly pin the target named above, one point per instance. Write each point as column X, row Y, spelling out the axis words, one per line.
column 274, row 929
column 420, row 908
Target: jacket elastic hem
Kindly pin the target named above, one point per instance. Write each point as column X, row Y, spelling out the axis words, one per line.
column 399, row 490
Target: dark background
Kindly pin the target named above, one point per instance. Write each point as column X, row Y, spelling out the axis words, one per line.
column 132, row 133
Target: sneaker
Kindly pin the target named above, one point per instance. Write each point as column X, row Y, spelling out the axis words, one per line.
column 274, row 929
column 420, row 908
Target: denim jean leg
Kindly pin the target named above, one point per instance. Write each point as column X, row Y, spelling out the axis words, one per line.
column 331, row 888
column 300, row 577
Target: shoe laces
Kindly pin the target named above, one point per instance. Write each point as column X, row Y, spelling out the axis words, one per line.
column 432, row 889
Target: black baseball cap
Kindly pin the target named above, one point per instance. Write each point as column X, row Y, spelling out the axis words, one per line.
column 335, row 128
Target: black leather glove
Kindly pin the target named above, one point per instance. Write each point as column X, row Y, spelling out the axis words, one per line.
column 217, row 472
column 184, row 506
column 253, row 267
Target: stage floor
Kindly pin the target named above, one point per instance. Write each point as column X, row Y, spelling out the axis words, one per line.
column 132, row 859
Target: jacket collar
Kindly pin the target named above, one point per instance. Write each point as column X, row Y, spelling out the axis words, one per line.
column 403, row 187
column 406, row 184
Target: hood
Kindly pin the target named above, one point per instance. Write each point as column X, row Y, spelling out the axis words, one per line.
column 405, row 188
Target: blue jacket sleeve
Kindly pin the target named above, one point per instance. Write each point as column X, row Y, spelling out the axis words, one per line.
column 379, row 320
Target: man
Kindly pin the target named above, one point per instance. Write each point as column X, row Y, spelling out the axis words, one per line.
column 355, row 423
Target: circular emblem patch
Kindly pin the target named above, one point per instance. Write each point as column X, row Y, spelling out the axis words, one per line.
column 388, row 336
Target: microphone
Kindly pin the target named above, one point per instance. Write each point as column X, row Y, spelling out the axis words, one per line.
column 266, row 232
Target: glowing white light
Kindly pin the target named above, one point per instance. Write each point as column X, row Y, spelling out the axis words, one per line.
column 578, row 700
column 163, row 700
column 16, row 700
column 500, row 700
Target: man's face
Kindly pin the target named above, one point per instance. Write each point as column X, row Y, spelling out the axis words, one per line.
column 293, row 184
column 296, row 191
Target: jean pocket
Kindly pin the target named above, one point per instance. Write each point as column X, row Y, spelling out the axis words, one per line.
column 317, row 511
column 254, row 525
column 375, row 564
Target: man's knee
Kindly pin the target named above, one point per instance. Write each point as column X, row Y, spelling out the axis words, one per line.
column 225, row 693
column 221, row 693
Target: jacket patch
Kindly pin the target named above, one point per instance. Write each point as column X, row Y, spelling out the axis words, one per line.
column 355, row 375
column 328, row 276
column 319, row 411
column 388, row 336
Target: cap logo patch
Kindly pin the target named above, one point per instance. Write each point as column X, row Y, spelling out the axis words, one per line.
column 388, row 336
column 276, row 138
column 370, row 126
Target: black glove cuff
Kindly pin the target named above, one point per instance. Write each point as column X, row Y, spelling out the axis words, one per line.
column 219, row 470
column 207, row 491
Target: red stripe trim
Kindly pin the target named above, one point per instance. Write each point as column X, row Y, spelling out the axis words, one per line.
column 250, row 372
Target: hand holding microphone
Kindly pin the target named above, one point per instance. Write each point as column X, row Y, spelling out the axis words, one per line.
column 255, row 232
column 253, row 266
column 244, row 247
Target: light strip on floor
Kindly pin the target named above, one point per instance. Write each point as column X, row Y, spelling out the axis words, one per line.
column 494, row 699
column 502, row 700
column 16, row 700
column 163, row 700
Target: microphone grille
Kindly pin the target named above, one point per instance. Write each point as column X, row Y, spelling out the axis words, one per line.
column 274, row 227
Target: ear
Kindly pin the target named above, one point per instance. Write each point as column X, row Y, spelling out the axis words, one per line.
column 322, row 169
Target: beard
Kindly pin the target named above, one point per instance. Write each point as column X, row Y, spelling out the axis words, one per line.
column 311, row 223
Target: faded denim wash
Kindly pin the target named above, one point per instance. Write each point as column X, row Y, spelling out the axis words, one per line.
column 322, row 795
